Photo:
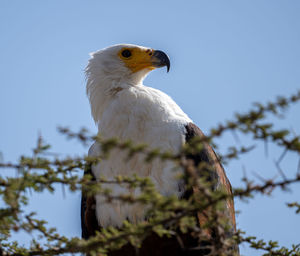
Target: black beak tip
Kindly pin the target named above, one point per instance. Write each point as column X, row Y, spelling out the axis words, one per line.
column 168, row 67
column 163, row 59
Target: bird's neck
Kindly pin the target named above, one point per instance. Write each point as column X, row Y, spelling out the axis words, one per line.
column 101, row 92
column 102, row 88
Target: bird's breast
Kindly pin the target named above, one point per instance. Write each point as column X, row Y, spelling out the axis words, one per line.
column 143, row 117
column 141, row 121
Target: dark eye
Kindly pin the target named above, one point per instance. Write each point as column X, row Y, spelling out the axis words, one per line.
column 126, row 53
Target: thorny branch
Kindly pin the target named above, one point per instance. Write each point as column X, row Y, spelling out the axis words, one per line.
column 167, row 214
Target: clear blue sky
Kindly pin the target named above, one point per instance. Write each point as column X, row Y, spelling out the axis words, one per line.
column 224, row 56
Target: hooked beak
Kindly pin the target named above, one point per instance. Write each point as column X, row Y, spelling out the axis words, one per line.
column 160, row 59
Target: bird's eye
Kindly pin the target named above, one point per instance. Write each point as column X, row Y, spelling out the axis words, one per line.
column 126, row 53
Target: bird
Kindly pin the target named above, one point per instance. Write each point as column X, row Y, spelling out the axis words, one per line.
column 126, row 109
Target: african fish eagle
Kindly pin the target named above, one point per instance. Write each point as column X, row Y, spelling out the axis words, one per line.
column 125, row 109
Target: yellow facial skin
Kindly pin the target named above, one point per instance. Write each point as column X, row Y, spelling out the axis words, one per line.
column 139, row 59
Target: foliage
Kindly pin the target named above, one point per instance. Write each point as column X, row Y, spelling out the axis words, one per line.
column 167, row 215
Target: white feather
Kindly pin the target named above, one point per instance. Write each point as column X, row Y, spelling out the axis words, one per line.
column 125, row 109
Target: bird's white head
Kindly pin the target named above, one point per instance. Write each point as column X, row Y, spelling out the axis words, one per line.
column 125, row 63
column 118, row 67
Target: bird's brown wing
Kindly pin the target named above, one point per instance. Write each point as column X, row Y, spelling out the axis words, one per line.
column 216, row 172
column 217, row 177
column 89, row 223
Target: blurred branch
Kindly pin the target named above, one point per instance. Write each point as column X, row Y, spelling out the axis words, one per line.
column 167, row 215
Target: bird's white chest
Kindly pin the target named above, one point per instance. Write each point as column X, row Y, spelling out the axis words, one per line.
column 144, row 119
